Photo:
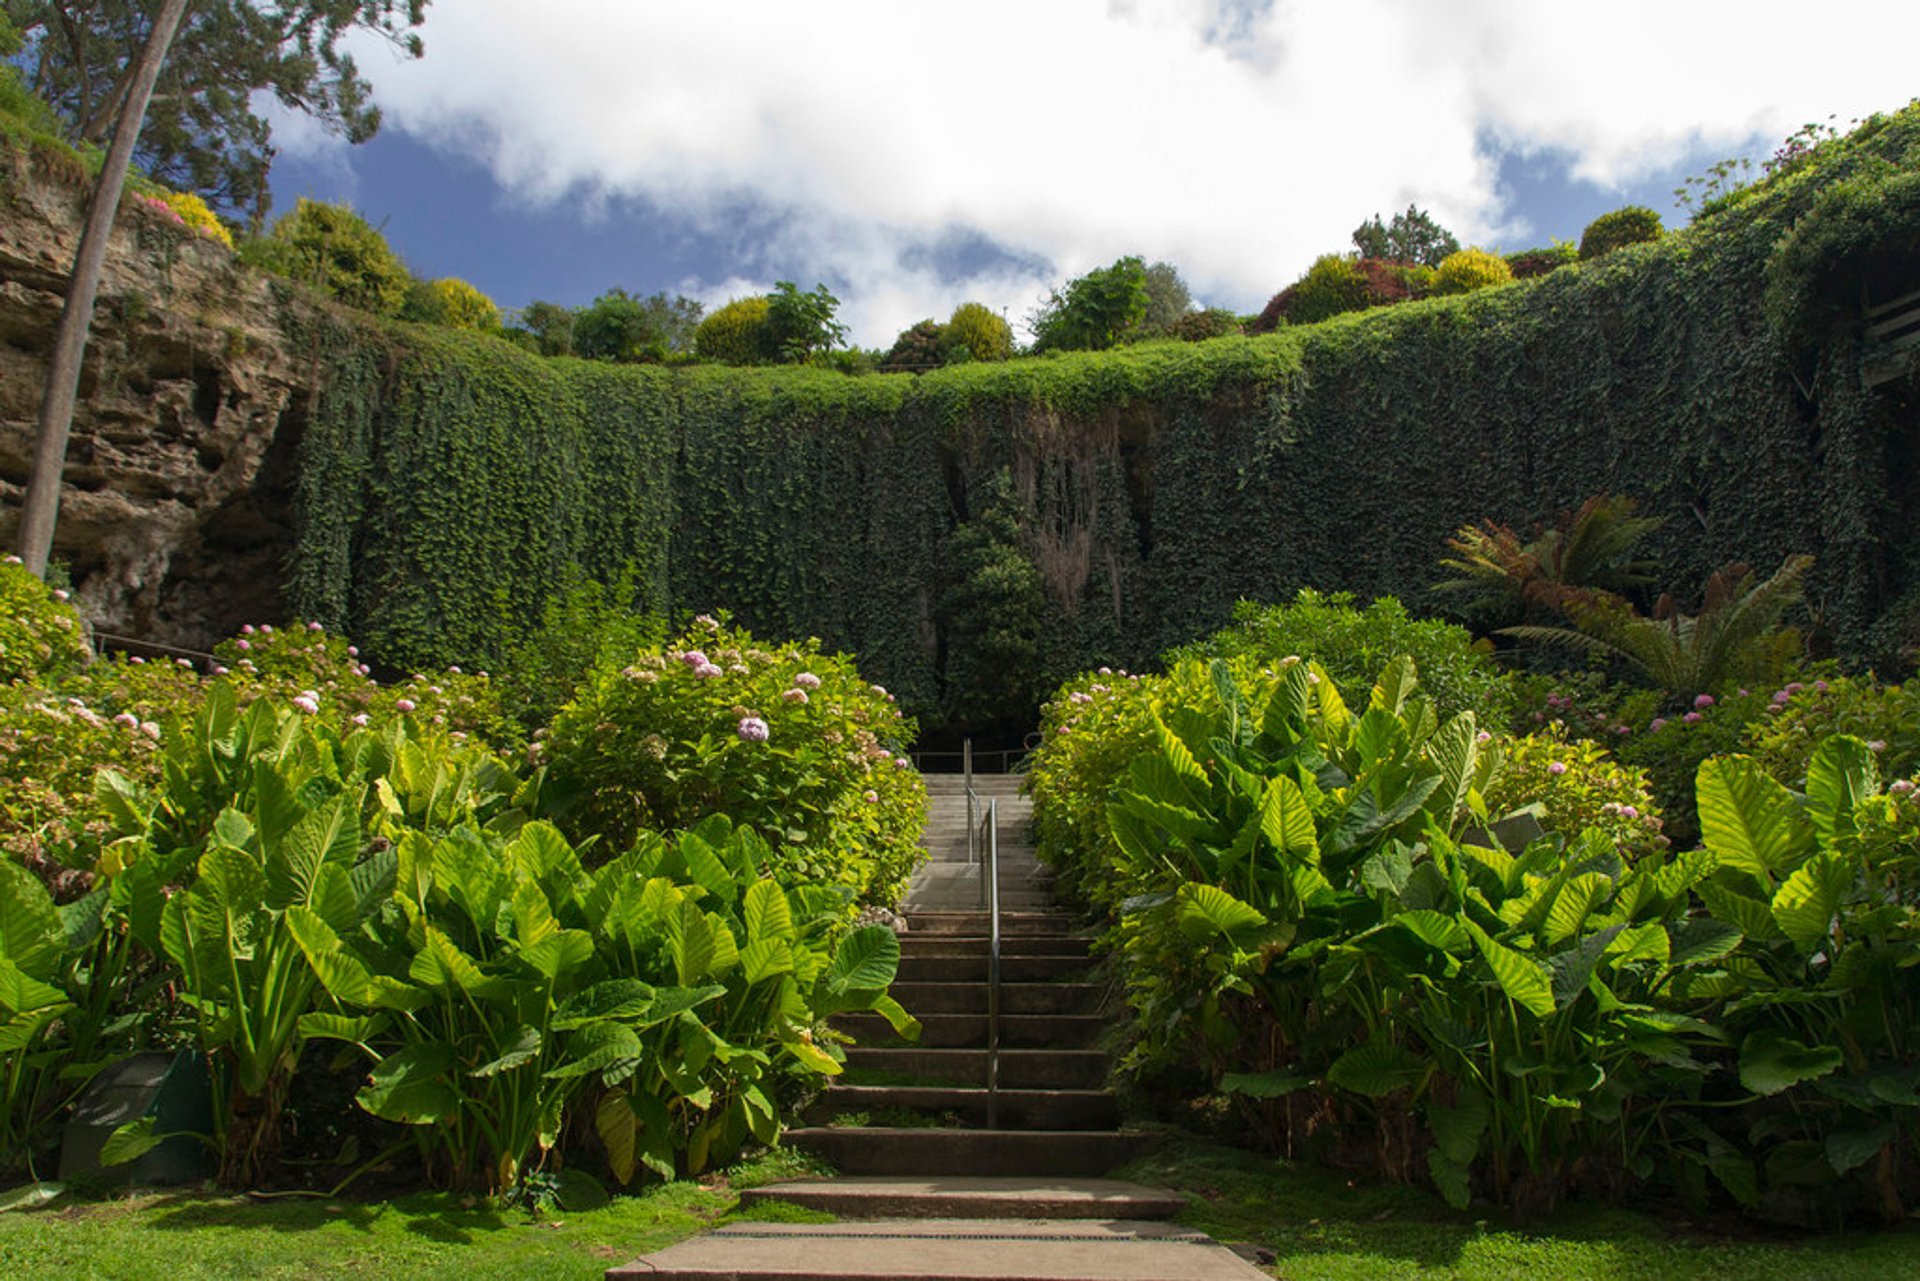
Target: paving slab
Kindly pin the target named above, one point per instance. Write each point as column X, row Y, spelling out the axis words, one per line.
column 946, row 1250
column 960, row 1197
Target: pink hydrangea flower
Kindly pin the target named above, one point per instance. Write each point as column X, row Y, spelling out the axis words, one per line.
column 1692, row 718
column 872, row 798
column 360, row 718
column 1628, row 811
column 1556, row 767
column 1703, row 701
column 243, row 644
column 706, row 670
column 315, row 627
column 1659, row 723
column 797, row 696
column 752, row 730
column 694, row 658
column 1877, row 745
column 404, row 705
column 807, row 680
column 248, row 629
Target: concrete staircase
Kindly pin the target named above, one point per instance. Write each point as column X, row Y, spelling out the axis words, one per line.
column 932, row 1186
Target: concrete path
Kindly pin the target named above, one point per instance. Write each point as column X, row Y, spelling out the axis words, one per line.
column 947, row 1250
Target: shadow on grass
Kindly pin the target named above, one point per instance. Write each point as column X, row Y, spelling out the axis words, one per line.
column 436, row 1217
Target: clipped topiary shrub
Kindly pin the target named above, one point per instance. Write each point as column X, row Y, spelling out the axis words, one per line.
column 1636, row 224
column 736, row 334
column 1332, row 285
column 1468, row 270
column 983, row 332
column 454, row 303
column 334, row 250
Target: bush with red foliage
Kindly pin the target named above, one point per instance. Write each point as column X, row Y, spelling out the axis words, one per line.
column 1335, row 285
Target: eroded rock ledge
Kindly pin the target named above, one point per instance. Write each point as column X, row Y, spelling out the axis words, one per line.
column 175, row 514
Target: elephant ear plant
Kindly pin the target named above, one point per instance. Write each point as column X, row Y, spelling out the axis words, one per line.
column 503, row 983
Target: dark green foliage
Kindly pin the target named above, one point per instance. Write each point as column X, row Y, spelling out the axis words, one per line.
column 995, row 616
column 917, row 349
column 543, row 327
column 582, row 623
column 1633, row 225
column 800, row 326
column 617, row 326
column 1412, row 236
column 1094, row 311
column 334, row 250
column 736, row 334
column 1168, row 299
column 1860, row 240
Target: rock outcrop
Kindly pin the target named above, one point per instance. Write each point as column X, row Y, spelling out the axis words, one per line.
column 175, row 511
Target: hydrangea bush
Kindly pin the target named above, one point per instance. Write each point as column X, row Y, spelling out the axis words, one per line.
column 789, row 741
column 40, row 634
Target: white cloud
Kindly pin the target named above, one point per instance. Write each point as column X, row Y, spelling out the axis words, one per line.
column 1235, row 138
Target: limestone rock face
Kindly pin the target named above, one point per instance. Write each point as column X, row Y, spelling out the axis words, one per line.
column 175, row 509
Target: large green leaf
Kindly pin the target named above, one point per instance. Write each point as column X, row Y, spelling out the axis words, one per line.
column 1840, row 775
column 867, row 958
column 1266, row 1085
column 1770, row 1063
column 410, row 1087
column 559, row 954
column 637, row 1131
column 1286, row 820
column 1207, row 910
column 1377, row 1068
column 1850, row 1147
column 1806, row 902
column 31, row 933
column 1524, row 980
column 1177, row 756
column 1398, row 680
column 1748, row 820
column 598, row 1047
column 21, row 993
column 330, row 833
column 766, row 912
column 522, row 1049
column 441, row 964
column 1454, row 750
column 623, row 999
column 341, row 973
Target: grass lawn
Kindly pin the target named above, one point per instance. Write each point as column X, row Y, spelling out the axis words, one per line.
column 180, row 1235
column 1323, row 1228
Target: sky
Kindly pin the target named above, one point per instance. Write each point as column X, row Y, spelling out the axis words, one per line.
column 912, row 156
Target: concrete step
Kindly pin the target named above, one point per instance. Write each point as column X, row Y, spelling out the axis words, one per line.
column 1019, row 1069
column 946, row 1250
column 915, row 968
column 973, row 921
column 922, row 999
column 912, row 944
column 1014, row 1109
column 969, row 1031
column 921, row 1151
column 973, row 1198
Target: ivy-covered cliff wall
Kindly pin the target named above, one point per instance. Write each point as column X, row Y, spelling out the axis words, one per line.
column 447, row 482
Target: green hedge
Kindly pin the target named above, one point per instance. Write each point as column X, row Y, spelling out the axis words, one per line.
column 448, row 479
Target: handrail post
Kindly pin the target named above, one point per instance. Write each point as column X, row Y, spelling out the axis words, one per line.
column 993, row 963
column 973, row 818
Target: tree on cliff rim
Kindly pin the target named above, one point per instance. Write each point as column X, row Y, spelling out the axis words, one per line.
column 128, row 99
column 203, row 132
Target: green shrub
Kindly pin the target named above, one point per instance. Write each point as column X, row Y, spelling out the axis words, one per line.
column 331, row 248
column 1466, row 270
column 790, row 742
column 41, row 636
column 983, row 332
column 1354, row 644
column 1578, row 786
column 454, row 303
column 1095, row 311
column 583, row 623
column 1633, row 225
column 736, row 334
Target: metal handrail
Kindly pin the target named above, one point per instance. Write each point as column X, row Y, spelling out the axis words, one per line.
column 992, row 879
column 1011, row 758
